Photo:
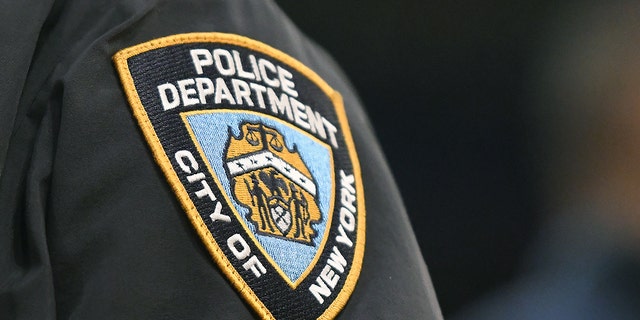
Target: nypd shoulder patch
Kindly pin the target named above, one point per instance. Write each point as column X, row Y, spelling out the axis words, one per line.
column 257, row 148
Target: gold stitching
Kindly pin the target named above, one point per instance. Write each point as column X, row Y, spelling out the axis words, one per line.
column 120, row 59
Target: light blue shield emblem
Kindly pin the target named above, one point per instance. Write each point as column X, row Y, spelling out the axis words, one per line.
column 283, row 204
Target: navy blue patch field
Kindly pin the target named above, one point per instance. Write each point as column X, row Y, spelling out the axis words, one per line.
column 257, row 149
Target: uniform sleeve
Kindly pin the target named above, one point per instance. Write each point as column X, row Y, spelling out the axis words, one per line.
column 99, row 230
column 26, row 144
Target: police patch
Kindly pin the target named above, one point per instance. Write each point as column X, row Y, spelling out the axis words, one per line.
column 258, row 150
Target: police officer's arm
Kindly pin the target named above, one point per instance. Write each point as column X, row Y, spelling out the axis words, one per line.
column 127, row 191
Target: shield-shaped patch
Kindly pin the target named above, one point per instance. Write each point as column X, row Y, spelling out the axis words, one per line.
column 258, row 150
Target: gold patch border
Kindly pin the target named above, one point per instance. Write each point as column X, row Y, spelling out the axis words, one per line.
column 120, row 60
column 325, row 236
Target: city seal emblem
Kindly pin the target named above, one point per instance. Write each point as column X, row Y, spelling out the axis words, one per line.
column 274, row 183
column 257, row 148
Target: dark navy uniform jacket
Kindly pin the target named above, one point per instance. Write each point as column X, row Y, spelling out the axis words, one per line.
column 89, row 227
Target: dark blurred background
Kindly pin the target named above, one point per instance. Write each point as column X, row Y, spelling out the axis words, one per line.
column 444, row 83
